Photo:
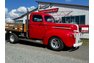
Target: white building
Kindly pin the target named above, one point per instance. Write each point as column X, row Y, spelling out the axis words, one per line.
column 78, row 13
column 67, row 13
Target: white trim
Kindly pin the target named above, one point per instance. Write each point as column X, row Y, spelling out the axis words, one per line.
column 62, row 27
column 77, row 44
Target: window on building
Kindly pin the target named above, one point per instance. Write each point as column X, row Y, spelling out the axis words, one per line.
column 82, row 20
column 37, row 18
column 77, row 19
column 67, row 20
column 74, row 19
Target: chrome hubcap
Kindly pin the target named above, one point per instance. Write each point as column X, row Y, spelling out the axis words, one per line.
column 55, row 43
column 12, row 38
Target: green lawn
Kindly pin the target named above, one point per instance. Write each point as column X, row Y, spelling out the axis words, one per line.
column 85, row 42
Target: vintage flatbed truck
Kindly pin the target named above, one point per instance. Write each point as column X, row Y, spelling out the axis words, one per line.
column 40, row 28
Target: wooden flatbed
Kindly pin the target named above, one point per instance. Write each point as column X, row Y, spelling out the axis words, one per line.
column 17, row 27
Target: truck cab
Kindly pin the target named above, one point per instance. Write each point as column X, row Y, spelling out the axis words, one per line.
column 41, row 27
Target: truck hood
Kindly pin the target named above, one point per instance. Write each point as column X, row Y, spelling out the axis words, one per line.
column 65, row 26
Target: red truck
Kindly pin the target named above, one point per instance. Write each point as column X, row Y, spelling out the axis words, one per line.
column 40, row 28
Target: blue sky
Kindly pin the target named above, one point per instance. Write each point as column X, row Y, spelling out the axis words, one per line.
column 13, row 4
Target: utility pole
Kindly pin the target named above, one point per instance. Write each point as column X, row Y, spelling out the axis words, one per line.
column 27, row 22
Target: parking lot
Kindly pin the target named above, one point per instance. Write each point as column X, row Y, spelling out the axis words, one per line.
column 26, row 52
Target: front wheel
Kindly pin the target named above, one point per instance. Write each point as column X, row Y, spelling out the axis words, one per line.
column 56, row 44
column 13, row 38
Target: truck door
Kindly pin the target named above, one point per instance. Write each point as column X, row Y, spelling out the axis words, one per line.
column 36, row 27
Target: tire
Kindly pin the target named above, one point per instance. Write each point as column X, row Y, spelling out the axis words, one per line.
column 13, row 38
column 56, row 44
column 7, row 36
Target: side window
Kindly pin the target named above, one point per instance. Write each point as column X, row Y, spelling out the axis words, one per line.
column 49, row 19
column 37, row 18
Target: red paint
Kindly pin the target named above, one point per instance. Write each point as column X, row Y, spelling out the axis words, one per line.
column 45, row 30
column 86, row 30
column 50, row 10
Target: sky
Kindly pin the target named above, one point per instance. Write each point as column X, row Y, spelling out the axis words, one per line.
column 15, row 8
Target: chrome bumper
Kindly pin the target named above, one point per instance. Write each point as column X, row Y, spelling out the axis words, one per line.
column 78, row 40
column 77, row 44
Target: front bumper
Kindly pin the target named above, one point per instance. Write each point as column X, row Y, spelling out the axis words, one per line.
column 77, row 40
column 77, row 44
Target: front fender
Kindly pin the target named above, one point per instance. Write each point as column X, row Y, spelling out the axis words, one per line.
column 66, row 36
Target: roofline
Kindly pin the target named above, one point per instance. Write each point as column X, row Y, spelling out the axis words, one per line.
column 62, row 4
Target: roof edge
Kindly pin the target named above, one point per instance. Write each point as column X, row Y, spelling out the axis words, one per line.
column 61, row 3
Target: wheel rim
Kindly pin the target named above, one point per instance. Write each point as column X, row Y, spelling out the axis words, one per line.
column 12, row 38
column 55, row 43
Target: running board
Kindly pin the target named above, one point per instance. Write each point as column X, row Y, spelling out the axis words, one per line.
column 34, row 41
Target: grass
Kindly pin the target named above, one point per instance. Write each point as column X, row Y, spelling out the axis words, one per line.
column 85, row 42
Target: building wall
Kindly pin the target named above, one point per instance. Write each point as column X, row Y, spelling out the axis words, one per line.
column 73, row 11
column 68, row 11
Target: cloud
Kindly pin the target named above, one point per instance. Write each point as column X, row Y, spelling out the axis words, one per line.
column 68, row 0
column 6, row 10
column 22, row 9
column 31, row 8
column 9, row 20
column 13, row 13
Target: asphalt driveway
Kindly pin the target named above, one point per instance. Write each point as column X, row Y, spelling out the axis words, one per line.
column 26, row 52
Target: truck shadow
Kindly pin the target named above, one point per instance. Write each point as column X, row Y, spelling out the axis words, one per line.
column 73, row 49
column 31, row 44
column 70, row 49
column 44, row 46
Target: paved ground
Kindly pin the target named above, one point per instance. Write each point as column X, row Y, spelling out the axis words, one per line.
column 25, row 52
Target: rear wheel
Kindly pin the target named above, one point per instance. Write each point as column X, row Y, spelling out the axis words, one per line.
column 13, row 38
column 56, row 44
column 7, row 36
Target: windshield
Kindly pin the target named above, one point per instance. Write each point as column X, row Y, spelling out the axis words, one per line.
column 49, row 19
